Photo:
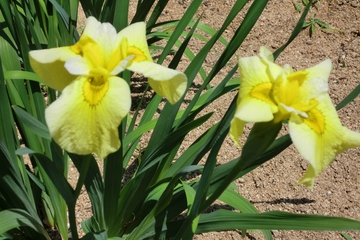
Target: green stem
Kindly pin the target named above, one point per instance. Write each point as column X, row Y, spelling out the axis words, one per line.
column 72, row 216
column 72, row 221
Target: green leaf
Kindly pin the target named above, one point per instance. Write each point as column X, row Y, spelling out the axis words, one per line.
column 312, row 31
column 321, row 23
column 57, row 178
column 299, row 26
column 14, row 218
column 240, row 203
column 350, row 97
column 6, row 117
column 32, row 123
column 49, row 209
column 11, row 183
column 120, row 19
column 347, row 237
column 94, row 187
column 23, row 151
column 59, row 190
column 22, row 75
column 222, row 220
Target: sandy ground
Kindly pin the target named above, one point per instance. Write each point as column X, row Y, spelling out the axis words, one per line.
column 272, row 186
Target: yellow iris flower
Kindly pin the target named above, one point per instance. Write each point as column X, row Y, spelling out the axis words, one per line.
column 85, row 118
column 269, row 92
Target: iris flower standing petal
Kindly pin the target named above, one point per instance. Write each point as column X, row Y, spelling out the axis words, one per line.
column 267, row 58
column 49, row 65
column 85, row 118
column 91, row 25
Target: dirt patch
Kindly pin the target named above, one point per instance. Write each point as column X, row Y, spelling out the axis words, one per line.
column 272, row 186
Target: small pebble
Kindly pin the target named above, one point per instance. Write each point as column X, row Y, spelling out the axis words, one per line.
column 328, row 193
column 275, row 233
column 241, row 180
column 354, row 4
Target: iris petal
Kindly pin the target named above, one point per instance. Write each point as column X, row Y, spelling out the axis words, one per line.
column 167, row 82
column 136, row 37
column 83, row 128
column 321, row 70
column 320, row 137
column 255, row 103
column 106, row 35
column 252, row 73
column 77, row 66
column 267, row 57
column 253, row 110
column 92, row 24
column 236, row 129
column 49, row 65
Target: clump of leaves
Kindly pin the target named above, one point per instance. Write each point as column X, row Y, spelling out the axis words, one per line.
column 313, row 21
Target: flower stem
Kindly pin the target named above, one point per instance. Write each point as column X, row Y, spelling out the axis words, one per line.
column 72, row 221
column 72, row 216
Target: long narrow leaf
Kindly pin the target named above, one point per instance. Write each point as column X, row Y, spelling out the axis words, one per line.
column 227, row 220
column 14, row 218
column 32, row 123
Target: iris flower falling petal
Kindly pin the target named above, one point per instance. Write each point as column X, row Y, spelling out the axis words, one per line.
column 271, row 93
column 85, row 118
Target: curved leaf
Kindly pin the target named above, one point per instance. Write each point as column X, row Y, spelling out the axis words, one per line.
column 14, row 218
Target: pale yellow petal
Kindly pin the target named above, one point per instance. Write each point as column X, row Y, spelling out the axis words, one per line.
column 253, row 72
column 236, row 129
column 316, row 82
column 309, row 178
column 255, row 103
column 351, row 139
column 106, row 36
column 136, row 38
column 266, row 54
column 82, row 128
column 92, row 24
column 320, row 137
column 254, row 110
column 267, row 57
column 49, row 65
column 312, row 88
column 166, row 82
column 77, row 66
column 321, row 70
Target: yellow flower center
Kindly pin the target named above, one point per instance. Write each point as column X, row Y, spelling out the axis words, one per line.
column 288, row 89
column 101, row 65
column 139, row 55
column 315, row 121
column 262, row 92
column 287, row 94
column 94, row 89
